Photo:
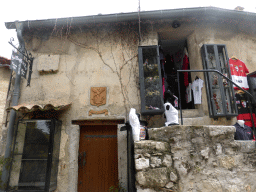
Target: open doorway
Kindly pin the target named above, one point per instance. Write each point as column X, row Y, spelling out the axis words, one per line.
column 174, row 56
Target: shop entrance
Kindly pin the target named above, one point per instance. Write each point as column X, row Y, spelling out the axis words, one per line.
column 97, row 160
column 174, row 56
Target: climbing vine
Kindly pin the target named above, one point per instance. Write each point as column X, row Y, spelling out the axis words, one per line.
column 122, row 38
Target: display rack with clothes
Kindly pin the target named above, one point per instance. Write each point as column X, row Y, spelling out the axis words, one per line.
column 172, row 62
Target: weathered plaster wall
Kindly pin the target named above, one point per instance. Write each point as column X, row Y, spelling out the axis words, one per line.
column 4, row 83
column 77, row 62
column 91, row 58
column 195, row 158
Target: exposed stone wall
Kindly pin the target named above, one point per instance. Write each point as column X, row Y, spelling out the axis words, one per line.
column 195, row 158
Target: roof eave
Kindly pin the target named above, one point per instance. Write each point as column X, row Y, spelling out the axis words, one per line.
column 201, row 12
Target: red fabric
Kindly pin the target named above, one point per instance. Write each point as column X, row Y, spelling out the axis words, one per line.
column 238, row 67
column 238, row 72
column 247, row 119
column 185, row 67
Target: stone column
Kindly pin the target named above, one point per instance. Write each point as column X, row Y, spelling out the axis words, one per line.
column 74, row 136
column 122, row 157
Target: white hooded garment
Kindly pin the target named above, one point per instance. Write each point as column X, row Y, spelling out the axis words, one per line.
column 171, row 114
column 135, row 123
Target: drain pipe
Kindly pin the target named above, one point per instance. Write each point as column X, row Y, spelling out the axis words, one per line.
column 15, row 99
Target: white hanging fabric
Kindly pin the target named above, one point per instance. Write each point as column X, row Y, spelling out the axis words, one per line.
column 135, row 123
column 171, row 114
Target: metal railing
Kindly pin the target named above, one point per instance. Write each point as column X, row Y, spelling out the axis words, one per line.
column 215, row 71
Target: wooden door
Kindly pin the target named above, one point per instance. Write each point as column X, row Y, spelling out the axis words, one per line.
column 98, row 162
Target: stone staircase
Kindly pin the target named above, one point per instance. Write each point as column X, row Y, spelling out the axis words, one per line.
column 193, row 117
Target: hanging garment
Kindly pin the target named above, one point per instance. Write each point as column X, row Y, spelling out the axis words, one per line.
column 242, row 104
column 238, row 73
column 163, row 81
column 188, row 93
column 176, row 101
column 244, row 110
column 243, row 133
column 197, row 86
column 185, row 67
column 171, row 114
column 135, row 124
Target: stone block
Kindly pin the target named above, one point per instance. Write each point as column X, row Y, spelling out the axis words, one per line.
column 181, row 169
column 150, row 146
column 205, row 153
column 144, row 190
column 167, row 161
column 169, row 185
column 247, row 146
column 142, row 144
column 141, row 163
column 47, row 63
column 153, row 178
column 173, row 177
column 160, row 146
column 155, row 162
column 217, row 131
column 227, row 161
column 218, row 149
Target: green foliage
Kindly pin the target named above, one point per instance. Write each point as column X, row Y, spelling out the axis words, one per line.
column 118, row 188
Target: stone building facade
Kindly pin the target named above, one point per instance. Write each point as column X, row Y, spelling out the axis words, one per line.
column 86, row 74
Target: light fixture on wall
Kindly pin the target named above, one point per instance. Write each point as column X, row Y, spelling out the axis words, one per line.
column 175, row 24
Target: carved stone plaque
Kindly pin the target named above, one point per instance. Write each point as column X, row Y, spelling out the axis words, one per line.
column 98, row 112
column 98, row 96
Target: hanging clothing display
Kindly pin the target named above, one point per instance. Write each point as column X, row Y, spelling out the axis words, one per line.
column 247, row 119
column 163, row 80
column 242, row 103
column 243, row 133
column 176, row 101
column 171, row 114
column 197, row 86
column 188, row 93
column 185, row 67
column 244, row 110
column 238, row 73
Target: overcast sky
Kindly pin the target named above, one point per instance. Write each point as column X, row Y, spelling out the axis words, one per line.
column 12, row 10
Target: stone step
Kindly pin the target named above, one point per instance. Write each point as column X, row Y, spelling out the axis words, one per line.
column 206, row 120
column 189, row 113
column 193, row 121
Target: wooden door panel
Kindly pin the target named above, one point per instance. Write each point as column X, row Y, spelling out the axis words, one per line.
column 98, row 166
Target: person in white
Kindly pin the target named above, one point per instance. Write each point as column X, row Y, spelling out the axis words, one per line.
column 197, row 90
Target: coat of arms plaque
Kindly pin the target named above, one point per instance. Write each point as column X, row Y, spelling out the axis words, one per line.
column 98, row 96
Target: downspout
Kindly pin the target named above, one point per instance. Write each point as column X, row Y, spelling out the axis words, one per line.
column 15, row 99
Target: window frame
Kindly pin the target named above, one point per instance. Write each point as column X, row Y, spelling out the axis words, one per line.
column 55, row 127
column 145, row 111
column 222, row 88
